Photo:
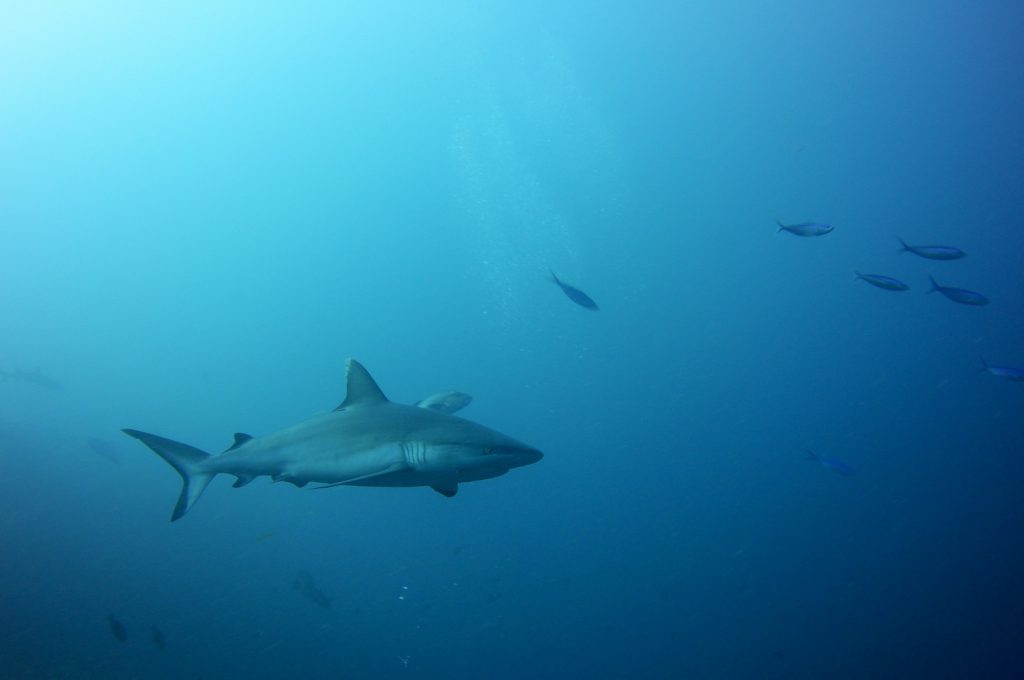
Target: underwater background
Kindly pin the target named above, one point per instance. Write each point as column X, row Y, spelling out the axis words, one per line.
column 206, row 207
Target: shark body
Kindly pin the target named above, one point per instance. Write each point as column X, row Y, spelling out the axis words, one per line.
column 366, row 441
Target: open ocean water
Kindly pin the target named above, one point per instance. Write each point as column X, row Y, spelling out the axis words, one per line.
column 206, row 207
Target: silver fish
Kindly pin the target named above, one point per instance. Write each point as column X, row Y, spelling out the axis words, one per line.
column 1004, row 372
column 933, row 252
column 961, row 295
column 806, row 228
column 883, row 282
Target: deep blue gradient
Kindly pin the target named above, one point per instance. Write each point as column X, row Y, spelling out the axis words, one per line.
column 205, row 207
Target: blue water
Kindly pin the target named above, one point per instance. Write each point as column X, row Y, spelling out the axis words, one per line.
column 206, row 207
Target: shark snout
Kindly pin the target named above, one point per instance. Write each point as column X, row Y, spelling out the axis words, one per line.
column 520, row 455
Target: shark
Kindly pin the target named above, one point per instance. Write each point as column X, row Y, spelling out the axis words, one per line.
column 366, row 441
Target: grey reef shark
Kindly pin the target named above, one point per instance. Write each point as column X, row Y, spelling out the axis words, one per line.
column 366, row 441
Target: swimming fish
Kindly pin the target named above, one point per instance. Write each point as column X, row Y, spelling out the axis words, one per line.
column 158, row 637
column 305, row 584
column 36, row 377
column 833, row 464
column 961, row 295
column 117, row 628
column 806, row 228
column 1004, row 372
column 575, row 294
column 933, row 252
column 883, row 282
column 103, row 449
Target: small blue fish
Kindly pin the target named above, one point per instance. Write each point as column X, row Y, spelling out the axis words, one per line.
column 806, row 228
column 833, row 464
column 117, row 628
column 883, row 282
column 158, row 638
column 933, row 252
column 575, row 294
column 961, row 295
column 1004, row 372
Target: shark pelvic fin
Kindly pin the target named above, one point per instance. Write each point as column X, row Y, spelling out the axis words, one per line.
column 361, row 388
column 242, row 480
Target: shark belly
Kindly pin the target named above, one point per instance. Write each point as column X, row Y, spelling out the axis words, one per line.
column 302, row 463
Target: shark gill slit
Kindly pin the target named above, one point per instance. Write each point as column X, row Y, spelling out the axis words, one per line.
column 414, row 453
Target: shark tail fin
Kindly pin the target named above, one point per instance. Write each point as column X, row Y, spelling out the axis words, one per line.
column 187, row 460
column 903, row 245
column 984, row 365
column 935, row 285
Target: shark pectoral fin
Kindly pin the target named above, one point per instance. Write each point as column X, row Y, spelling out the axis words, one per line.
column 397, row 467
column 448, row 486
column 242, row 481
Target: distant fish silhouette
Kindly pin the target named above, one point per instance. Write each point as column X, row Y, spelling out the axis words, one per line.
column 883, row 282
column 117, row 628
column 806, row 228
column 833, row 464
column 1004, row 372
column 933, row 252
column 575, row 294
column 36, row 377
column 158, row 638
column 306, row 586
column 961, row 295
column 103, row 449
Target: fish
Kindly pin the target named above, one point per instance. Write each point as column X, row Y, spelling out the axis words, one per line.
column 1004, row 372
column 103, row 449
column 833, row 464
column 366, row 441
column 446, row 402
column 933, row 252
column 574, row 293
column 806, row 228
column 117, row 628
column 157, row 636
column 961, row 295
column 36, row 377
column 883, row 282
column 307, row 587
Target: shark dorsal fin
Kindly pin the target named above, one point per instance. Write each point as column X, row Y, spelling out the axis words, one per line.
column 361, row 389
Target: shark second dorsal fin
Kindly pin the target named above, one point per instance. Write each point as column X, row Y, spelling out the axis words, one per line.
column 240, row 438
column 361, row 389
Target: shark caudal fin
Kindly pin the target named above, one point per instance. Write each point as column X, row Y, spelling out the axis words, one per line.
column 187, row 460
